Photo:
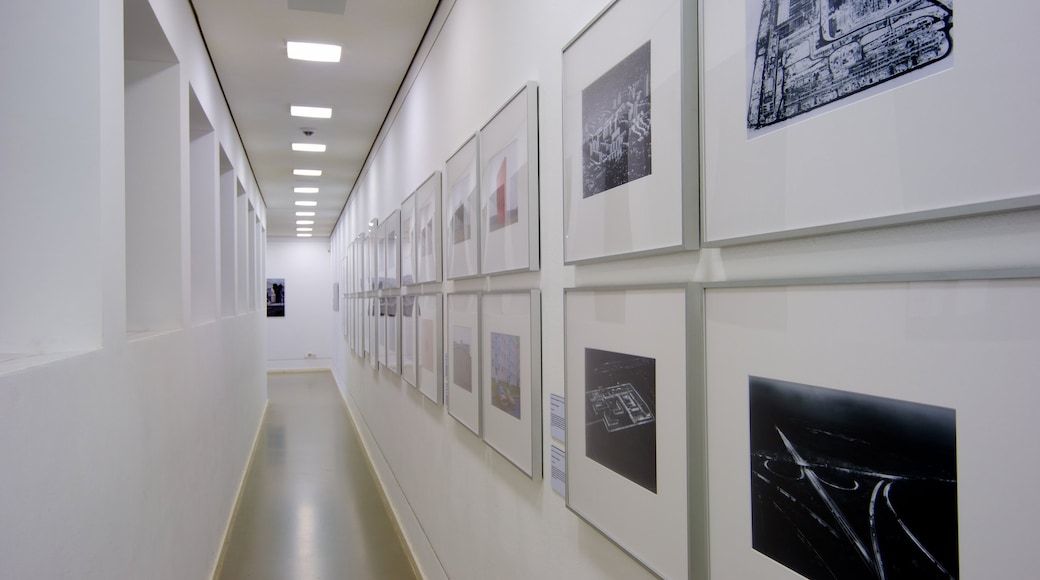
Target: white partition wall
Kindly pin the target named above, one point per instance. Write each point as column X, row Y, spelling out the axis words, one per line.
column 465, row 510
column 127, row 409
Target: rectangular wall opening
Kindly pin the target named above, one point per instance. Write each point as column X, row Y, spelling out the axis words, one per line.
column 204, row 211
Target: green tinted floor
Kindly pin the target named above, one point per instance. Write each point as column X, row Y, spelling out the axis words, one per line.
column 310, row 508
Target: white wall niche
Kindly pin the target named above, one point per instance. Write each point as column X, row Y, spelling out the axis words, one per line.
column 226, row 207
column 204, row 211
column 152, row 99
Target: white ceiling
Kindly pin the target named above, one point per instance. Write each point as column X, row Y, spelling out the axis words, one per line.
column 246, row 40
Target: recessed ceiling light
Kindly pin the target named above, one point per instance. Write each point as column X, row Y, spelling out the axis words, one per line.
column 305, row 229
column 309, row 147
column 313, row 51
column 307, row 203
column 310, row 112
column 307, row 172
column 305, row 190
column 305, row 214
column 305, row 222
column 303, row 235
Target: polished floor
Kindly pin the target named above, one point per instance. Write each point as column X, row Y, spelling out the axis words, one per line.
column 310, row 508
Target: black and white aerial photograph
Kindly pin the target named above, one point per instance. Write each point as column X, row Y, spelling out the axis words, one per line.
column 810, row 53
column 620, row 419
column 615, row 117
column 848, row 485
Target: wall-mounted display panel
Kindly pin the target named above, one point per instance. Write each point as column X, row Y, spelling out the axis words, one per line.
column 381, row 256
column 428, row 230
column 509, row 186
column 431, row 361
column 631, row 445
column 880, row 123
column 381, row 334
column 511, row 377
column 463, row 329
column 630, row 139
column 372, row 328
column 372, row 256
column 461, row 210
column 409, row 326
column 852, row 427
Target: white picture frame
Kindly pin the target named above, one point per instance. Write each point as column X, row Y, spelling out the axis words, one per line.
column 427, row 241
column 392, row 250
column 461, row 211
column 392, row 342
column 428, row 336
column 635, row 451
column 635, row 191
column 509, row 177
column 902, row 151
column 380, row 255
column 407, row 264
column 462, row 323
column 409, row 341
column 373, row 333
column 511, row 378
column 961, row 345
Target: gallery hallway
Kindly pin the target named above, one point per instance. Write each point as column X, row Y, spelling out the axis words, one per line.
column 310, row 507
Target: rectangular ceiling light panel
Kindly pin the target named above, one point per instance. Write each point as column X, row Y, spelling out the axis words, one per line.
column 309, row 147
column 307, row 172
column 305, row 190
column 313, row 51
column 310, row 112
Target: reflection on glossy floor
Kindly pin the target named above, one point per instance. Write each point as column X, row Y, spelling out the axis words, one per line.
column 310, row 508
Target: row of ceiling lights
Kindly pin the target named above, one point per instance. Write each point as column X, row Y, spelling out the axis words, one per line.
column 314, row 53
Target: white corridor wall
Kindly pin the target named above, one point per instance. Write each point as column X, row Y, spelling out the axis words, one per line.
column 302, row 338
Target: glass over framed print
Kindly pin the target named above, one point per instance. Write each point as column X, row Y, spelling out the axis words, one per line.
column 409, row 360
column 461, row 208
column 463, row 329
column 427, row 245
column 855, row 427
column 635, row 418
column 511, row 377
column 509, row 186
column 380, row 255
column 391, row 344
column 630, row 139
column 893, row 112
column 373, row 332
column 407, row 263
column 431, row 362
column 392, row 250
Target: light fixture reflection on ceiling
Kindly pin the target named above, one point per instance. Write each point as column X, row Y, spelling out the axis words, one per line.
column 310, row 112
column 305, row 222
column 307, row 203
column 313, row 51
column 307, row 172
column 309, row 147
column 305, row 214
column 305, row 190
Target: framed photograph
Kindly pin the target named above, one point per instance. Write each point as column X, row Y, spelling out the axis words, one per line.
column 631, row 444
column 372, row 255
column 428, row 230
column 409, row 359
column 275, row 297
column 509, row 186
column 380, row 256
column 335, row 297
column 511, row 377
column 407, row 263
column 853, row 424
column 391, row 345
column 373, row 333
column 461, row 208
column 381, row 334
column 430, row 359
column 463, row 326
column 868, row 128
column 630, row 132
column 392, row 250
